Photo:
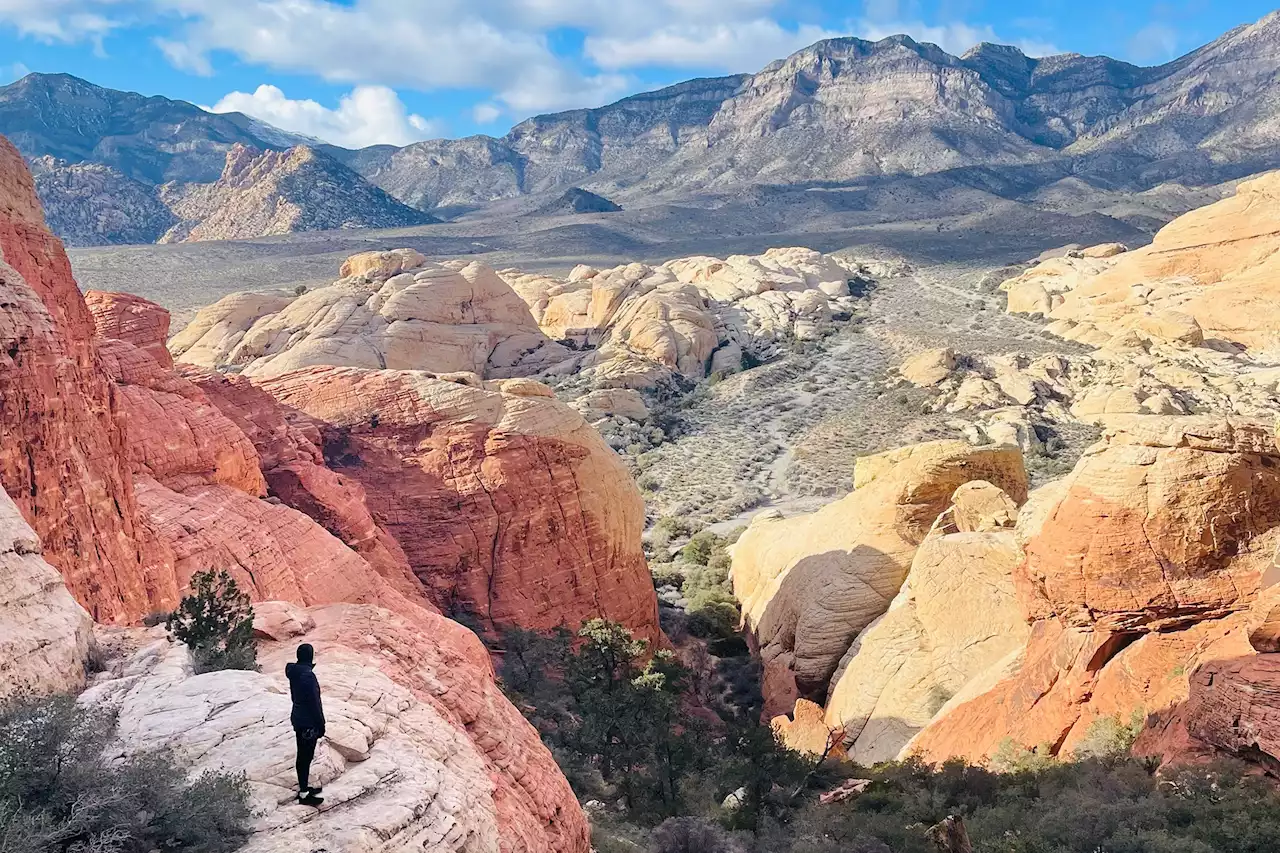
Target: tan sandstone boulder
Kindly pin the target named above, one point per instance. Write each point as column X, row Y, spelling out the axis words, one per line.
column 380, row 266
column 809, row 584
column 443, row 318
column 929, row 367
column 955, row 621
column 1210, row 273
column 611, row 402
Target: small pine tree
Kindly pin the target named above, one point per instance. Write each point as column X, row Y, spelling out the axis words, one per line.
column 216, row 622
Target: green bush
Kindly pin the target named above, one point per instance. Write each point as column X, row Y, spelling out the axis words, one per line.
column 59, row 793
column 666, row 574
column 701, row 547
column 691, row 835
column 707, row 580
column 669, row 528
column 216, row 622
column 713, row 617
column 1013, row 757
column 1111, row 737
column 1063, row 807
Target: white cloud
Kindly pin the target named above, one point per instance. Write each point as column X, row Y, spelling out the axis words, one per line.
column 743, row 46
column 369, row 115
column 485, row 113
column 956, row 37
column 1037, row 47
column 64, row 21
column 391, row 43
column 183, row 57
column 1156, row 42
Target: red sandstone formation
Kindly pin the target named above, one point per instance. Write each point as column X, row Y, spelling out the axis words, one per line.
column 131, row 318
column 134, row 476
column 63, row 456
column 506, row 503
column 295, row 472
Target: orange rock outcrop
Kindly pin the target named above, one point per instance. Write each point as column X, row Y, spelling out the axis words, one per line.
column 63, row 445
column 133, row 476
column 1140, row 566
column 507, row 504
column 126, row 317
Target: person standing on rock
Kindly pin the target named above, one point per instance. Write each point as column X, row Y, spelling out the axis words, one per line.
column 307, row 719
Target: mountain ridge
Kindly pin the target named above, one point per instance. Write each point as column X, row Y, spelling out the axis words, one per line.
column 993, row 106
column 843, row 112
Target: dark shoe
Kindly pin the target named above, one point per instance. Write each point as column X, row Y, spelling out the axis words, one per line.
column 316, row 791
column 310, row 799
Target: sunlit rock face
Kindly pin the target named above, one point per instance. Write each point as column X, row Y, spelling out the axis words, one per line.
column 810, row 584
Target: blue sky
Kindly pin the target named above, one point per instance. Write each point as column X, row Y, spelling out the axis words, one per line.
column 359, row 72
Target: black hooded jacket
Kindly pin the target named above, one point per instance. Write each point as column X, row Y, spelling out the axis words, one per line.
column 304, row 690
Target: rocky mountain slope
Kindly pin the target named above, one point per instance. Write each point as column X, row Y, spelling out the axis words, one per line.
column 264, row 193
column 830, row 135
column 117, row 167
column 88, row 204
column 152, row 140
column 847, row 110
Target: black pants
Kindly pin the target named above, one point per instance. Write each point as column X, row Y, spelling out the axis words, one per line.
column 307, row 739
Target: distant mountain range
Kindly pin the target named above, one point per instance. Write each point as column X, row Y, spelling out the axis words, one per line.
column 117, row 167
column 843, row 112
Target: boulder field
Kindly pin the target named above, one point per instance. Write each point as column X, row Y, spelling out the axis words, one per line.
column 1141, row 586
column 631, row 327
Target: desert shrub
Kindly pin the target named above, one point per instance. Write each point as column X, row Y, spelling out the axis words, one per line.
column 669, row 528
column 666, row 574
column 700, row 548
column 612, row 711
column 58, row 793
column 216, row 622
column 1111, row 737
column 1063, row 807
column 707, row 580
column 1012, row 757
column 691, row 835
column 713, row 617
column 299, row 290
